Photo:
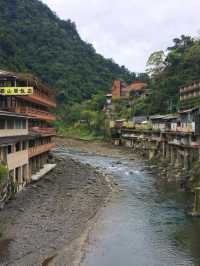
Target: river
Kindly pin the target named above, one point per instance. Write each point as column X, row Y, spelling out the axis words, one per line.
column 145, row 223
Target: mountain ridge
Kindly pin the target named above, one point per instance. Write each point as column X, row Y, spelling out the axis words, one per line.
column 33, row 39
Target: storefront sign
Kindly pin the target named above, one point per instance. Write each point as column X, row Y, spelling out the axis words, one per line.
column 16, row 90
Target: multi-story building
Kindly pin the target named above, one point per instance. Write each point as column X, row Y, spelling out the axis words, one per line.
column 25, row 127
column 190, row 96
column 190, row 91
column 122, row 91
column 190, row 108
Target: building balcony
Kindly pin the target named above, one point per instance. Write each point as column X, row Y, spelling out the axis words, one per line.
column 37, row 150
column 189, row 89
column 35, row 113
column 17, row 159
column 189, row 129
column 13, row 132
column 42, row 130
column 39, row 99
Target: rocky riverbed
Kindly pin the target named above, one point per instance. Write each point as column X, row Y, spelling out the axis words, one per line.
column 47, row 223
column 96, row 148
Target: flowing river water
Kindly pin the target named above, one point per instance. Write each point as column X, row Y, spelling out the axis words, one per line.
column 145, row 223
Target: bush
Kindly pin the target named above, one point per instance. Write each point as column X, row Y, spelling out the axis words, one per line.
column 3, row 173
column 195, row 174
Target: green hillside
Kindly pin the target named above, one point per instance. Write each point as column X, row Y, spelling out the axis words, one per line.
column 33, row 39
column 179, row 66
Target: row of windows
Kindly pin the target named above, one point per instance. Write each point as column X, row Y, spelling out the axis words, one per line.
column 41, row 93
column 13, row 102
column 21, row 146
column 33, row 143
column 12, row 123
column 5, row 84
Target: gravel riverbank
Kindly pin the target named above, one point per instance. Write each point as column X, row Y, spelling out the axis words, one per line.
column 97, row 148
column 47, row 223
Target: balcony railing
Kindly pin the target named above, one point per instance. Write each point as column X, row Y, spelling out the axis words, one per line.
column 34, row 151
column 192, row 88
column 42, row 130
column 42, row 99
column 33, row 112
column 188, row 129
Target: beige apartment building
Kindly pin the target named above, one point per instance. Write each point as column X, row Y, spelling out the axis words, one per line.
column 14, row 141
column 25, row 127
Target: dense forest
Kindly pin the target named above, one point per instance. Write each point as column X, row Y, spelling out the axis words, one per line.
column 33, row 39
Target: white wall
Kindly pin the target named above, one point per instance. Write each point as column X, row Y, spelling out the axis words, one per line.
column 17, row 159
column 13, row 132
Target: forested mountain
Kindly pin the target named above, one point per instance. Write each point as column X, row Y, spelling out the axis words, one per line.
column 33, row 39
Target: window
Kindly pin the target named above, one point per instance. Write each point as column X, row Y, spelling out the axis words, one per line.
column 17, row 174
column 18, row 124
column 10, row 124
column 9, row 149
column 24, row 124
column 2, row 123
column 24, row 145
column 31, row 143
column 24, row 172
column 17, row 146
column 193, row 138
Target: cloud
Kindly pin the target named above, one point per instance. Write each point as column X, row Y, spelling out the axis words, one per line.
column 130, row 30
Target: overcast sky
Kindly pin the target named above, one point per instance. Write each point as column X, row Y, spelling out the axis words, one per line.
column 130, row 30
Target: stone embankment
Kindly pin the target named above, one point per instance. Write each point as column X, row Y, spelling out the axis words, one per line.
column 173, row 162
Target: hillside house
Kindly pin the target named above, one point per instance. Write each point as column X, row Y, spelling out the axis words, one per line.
column 122, row 91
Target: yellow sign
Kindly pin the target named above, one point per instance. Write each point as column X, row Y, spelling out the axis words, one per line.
column 16, row 90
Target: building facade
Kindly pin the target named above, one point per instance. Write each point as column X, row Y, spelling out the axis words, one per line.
column 190, row 96
column 25, row 127
column 122, row 91
column 190, row 91
column 174, row 137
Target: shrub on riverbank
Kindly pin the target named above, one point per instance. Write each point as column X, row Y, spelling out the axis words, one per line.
column 195, row 174
column 86, row 120
column 79, row 132
column 3, row 174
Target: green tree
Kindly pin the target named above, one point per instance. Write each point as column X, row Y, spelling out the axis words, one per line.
column 156, row 63
column 3, row 173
